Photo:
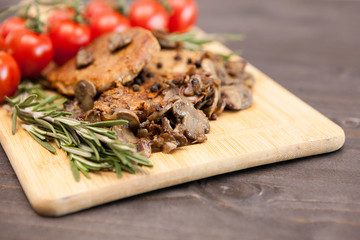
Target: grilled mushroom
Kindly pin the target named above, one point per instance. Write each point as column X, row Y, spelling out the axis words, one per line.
column 236, row 97
column 124, row 134
column 194, row 122
column 93, row 116
column 129, row 116
column 165, row 42
column 118, row 41
column 85, row 92
column 143, row 145
column 235, row 68
column 84, row 58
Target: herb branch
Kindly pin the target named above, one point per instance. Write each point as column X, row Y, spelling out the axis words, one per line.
column 89, row 146
column 195, row 41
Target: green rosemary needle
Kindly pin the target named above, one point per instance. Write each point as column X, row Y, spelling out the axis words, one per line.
column 194, row 41
column 89, row 146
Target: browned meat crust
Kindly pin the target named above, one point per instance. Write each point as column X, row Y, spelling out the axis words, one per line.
column 107, row 68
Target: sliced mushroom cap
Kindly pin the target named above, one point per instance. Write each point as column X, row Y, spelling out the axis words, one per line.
column 194, row 122
column 119, row 41
column 249, row 80
column 84, row 58
column 215, row 97
column 235, row 68
column 164, row 40
column 165, row 142
column 129, row 116
column 236, row 97
column 178, row 132
column 166, row 125
column 85, row 91
column 73, row 107
column 157, row 115
column 124, row 134
column 143, row 145
column 93, row 116
column 220, row 107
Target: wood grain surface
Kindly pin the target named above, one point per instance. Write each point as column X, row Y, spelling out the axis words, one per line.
column 311, row 48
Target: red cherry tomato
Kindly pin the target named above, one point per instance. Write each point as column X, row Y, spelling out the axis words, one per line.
column 2, row 44
column 184, row 15
column 32, row 51
column 60, row 15
column 97, row 6
column 9, row 75
column 149, row 14
column 11, row 24
column 68, row 37
column 109, row 21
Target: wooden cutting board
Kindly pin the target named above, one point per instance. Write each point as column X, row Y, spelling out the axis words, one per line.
column 278, row 126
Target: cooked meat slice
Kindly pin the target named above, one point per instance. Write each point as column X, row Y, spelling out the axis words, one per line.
column 108, row 68
column 193, row 121
column 169, row 65
column 120, row 98
column 236, row 97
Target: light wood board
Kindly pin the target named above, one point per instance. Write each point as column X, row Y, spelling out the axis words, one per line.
column 278, row 126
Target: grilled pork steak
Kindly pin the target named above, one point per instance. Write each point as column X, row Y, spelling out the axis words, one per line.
column 119, row 64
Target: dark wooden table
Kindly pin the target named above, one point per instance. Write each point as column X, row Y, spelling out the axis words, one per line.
column 312, row 49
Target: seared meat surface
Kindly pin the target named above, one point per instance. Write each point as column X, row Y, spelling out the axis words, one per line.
column 109, row 65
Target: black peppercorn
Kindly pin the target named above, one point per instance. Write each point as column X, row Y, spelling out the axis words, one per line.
column 150, row 75
column 154, row 88
column 136, row 87
column 198, row 64
column 189, row 61
column 177, row 57
column 137, row 81
column 159, row 65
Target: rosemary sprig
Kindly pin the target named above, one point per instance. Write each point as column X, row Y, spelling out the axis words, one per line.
column 195, row 41
column 90, row 146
